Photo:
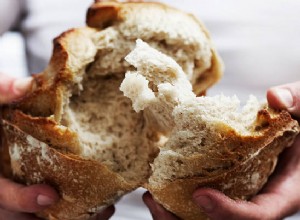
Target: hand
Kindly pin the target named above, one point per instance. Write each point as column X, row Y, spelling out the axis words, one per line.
column 105, row 214
column 12, row 88
column 278, row 199
column 157, row 211
column 286, row 97
column 16, row 199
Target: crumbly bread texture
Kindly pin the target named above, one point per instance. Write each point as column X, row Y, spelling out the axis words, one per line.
column 177, row 34
column 211, row 141
column 75, row 130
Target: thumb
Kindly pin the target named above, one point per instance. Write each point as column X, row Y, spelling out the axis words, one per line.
column 106, row 214
column 12, row 88
column 285, row 97
column 20, row 198
column 264, row 206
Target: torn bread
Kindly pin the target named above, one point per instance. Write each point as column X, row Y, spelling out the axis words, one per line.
column 210, row 141
column 74, row 130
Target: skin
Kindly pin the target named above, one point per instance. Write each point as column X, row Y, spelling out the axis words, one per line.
column 18, row 201
column 278, row 199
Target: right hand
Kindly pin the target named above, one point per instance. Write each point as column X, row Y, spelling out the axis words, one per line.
column 279, row 198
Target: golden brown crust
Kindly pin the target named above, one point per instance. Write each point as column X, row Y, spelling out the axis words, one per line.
column 5, row 168
column 210, row 77
column 82, row 184
column 46, row 130
column 103, row 14
column 49, row 88
column 250, row 161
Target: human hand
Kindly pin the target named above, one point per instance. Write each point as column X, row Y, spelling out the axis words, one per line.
column 18, row 201
column 278, row 199
column 12, row 88
column 286, row 97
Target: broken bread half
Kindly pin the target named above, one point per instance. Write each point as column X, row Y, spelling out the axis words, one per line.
column 210, row 141
column 74, row 129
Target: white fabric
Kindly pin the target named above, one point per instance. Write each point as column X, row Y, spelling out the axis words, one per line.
column 259, row 42
column 10, row 11
column 12, row 55
column 45, row 20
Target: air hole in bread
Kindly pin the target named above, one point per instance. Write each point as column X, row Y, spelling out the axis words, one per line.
column 109, row 130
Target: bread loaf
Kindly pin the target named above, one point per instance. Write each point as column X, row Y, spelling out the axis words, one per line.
column 74, row 129
column 210, row 141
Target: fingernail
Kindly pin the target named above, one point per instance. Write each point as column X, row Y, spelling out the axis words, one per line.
column 22, row 85
column 205, row 202
column 285, row 97
column 44, row 200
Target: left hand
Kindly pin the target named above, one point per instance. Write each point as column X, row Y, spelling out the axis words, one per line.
column 12, row 88
column 278, row 199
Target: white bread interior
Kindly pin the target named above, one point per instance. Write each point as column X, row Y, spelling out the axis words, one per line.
column 77, row 116
column 177, row 34
column 198, row 131
column 76, row 131
column 109, row 131
column 194, row 123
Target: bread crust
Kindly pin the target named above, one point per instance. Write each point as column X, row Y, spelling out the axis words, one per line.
column 43, row 151
column 250, row 161
column 82, row 184
column 103, row 14
column 47, row 93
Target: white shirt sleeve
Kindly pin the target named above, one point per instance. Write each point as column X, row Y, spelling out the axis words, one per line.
column 10, row 11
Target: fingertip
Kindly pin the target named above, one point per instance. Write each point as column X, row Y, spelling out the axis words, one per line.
column 272, row 98
column 152, row 204
column 280, row 98
column 147, row 197
column 207, row 199
column 157, row 211
column 208, row 192
column 285, row 97
column 37, row 197
column 106, row 213
column 149, row 201
column 21, row 85
column 217, row 205
column 13, row 88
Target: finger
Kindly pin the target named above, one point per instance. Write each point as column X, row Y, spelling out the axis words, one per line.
column 285, row 97
column 19, row 198
column 7, row 215
column 156, row 210
column 264, row 206
column 106, row 213
column 12, row 88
